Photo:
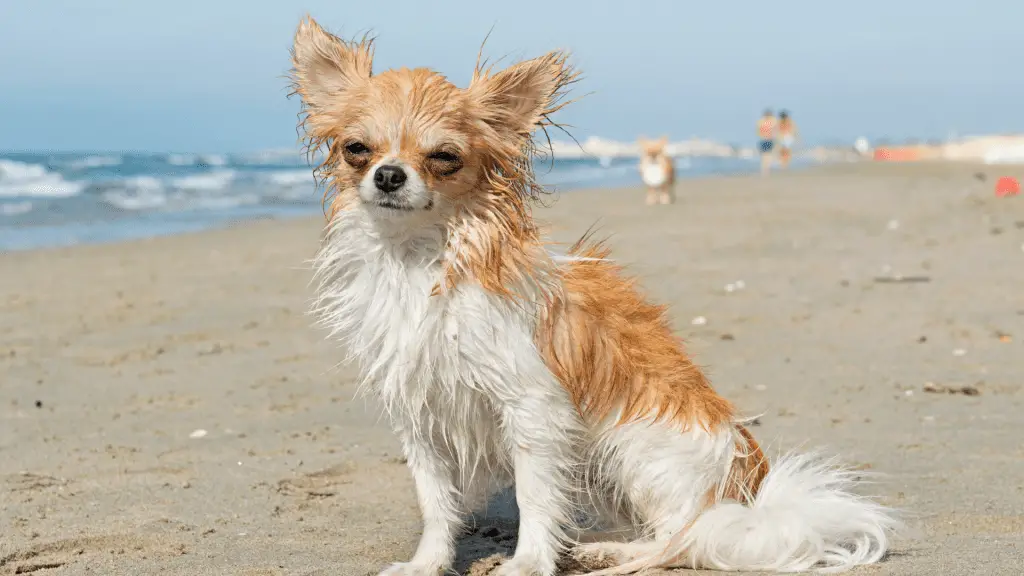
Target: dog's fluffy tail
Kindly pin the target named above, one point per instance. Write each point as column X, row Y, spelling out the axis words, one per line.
column 804, row 516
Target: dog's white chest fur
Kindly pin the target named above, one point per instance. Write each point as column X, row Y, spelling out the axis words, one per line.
column 653, row 173
column 440, row 363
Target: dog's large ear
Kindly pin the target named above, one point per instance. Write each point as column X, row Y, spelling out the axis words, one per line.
column 663, row 140
column 324, row 66
column 520, row 96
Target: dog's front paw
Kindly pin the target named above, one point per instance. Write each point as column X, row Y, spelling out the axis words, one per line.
column 525, row 566
column 409, row 569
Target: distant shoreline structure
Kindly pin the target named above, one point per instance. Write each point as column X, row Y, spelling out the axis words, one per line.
column 987, row 149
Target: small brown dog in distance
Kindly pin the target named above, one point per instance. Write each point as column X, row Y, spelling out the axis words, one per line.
column 657, row 171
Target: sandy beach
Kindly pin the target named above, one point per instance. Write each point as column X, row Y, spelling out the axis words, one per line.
column 167, row 408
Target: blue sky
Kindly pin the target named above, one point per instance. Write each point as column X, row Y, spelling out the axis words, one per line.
column 207, row 75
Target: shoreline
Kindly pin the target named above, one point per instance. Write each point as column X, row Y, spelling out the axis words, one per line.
column 204, row 223
column 30, row 223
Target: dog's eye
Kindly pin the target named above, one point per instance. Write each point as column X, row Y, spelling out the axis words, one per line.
column 443, row 156
column 444, row 163
column 356, row 148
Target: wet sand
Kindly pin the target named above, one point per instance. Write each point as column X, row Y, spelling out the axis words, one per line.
column 166, row 407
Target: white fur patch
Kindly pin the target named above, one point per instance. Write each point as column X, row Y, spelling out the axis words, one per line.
column 805, row 516
column 653, row 174
column 413, row 193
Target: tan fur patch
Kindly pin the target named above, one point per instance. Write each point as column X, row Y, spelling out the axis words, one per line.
column 749, row 468
column 615, row 352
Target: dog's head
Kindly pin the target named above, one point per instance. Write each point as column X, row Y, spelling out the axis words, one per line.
column 653, row 149
column 408, row 146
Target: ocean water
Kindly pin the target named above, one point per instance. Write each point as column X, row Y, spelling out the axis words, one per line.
column 58, row 199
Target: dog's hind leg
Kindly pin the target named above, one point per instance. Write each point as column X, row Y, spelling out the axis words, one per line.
column 611, row 556
column 665, row 475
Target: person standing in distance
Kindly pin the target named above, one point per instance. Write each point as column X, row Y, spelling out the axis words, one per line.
column 766, row 140
column 787, row 133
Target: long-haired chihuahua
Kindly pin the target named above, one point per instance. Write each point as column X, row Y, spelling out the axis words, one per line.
column 503, row 363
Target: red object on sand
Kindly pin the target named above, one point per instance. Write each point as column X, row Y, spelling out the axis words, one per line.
column 1007, row 186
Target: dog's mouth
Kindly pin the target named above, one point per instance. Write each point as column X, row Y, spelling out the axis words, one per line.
column 392, row 205
column 400, row 206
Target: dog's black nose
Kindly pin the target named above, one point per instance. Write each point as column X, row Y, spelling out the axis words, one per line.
column 389, row 178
